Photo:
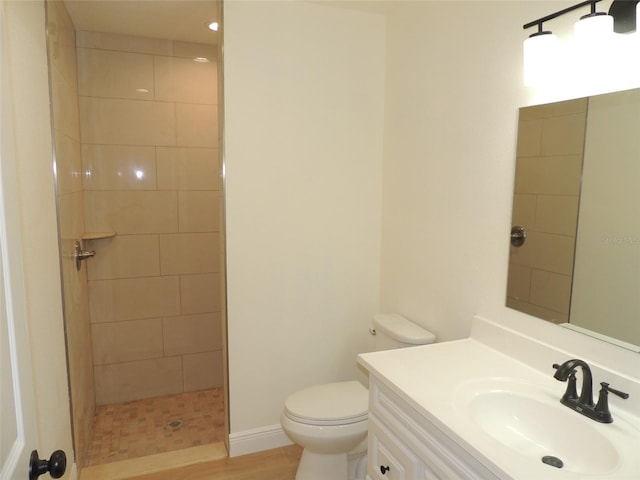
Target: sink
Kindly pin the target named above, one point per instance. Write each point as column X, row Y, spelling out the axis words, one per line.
column 537, row 430
column 531, row 423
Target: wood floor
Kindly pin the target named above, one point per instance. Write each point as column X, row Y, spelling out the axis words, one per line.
column 277, row 464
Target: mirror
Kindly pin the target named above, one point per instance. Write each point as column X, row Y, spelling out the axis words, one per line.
column 577, row 199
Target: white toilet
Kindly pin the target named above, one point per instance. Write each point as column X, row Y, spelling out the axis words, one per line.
column 329, row 421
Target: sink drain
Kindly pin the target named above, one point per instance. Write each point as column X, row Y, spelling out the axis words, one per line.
column 553, row 461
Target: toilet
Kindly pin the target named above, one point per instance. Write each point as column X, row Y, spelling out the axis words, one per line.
column 330, row 421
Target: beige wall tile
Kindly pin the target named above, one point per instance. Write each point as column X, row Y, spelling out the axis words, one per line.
column 127, row 122
column 121, row 382
column 124, row 43
column 131, row 212
column 551, row 290
column 65, row 104
column 104, row 73
column 61, row 44
column 185, row 80
column 199, row 211
column 193, row 50
column 122, row 136
column 537, row 311
column 563, row 135
column 202, row 371
column 519, row 282
column 549, row 175
column 192, row 334
column 70, row 219
column 524, row 210
column 119, row 167
column 76, row 303
column 196, row 125
column 124, row 256
column 555, row 109
column 557, row 214
column 529, row 137
column 130, row 299
column 188, row 169
column 545, row 251
column 200, row 293
column 186, row 253
column 119, row 342
column 68, row 163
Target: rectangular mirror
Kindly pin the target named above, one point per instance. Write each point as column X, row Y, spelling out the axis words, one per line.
column 577, row 199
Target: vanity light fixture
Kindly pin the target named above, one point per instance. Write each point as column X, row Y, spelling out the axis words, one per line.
column 544, row 59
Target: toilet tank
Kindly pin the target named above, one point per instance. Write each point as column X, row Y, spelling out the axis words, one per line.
column 395, row 331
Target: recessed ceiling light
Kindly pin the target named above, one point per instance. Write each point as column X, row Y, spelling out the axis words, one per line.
column 201, row 59
column 213, row 26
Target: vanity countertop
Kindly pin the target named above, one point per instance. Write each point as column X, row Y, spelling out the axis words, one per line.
column 438, row 380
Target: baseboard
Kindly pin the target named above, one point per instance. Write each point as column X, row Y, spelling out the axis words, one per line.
column 257, row 440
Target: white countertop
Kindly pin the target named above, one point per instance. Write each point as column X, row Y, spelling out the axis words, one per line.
column 435, row 379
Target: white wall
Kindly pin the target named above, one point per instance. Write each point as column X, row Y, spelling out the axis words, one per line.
column 454, row 85
column 303, row 150
column 452, row 91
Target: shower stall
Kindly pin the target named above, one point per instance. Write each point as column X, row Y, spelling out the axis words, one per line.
column 139, row 192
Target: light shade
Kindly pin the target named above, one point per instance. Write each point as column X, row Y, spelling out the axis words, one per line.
column 593, row 27
column 540, row 55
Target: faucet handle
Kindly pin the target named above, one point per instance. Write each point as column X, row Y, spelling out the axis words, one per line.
column 602, row 407
column 606, row 387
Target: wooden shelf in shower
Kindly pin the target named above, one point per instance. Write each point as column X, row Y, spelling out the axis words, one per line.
column 98, row 235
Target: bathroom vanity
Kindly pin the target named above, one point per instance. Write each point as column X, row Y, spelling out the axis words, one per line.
column 403, row 444
column 471, row 410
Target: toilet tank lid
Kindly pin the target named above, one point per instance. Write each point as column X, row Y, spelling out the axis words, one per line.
column 401, row 329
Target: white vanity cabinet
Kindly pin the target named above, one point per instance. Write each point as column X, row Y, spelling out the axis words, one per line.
column 405, row 445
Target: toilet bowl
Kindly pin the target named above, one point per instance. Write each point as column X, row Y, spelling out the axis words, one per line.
column 330, row 421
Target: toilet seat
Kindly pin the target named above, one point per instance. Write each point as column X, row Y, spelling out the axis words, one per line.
column 340, row 403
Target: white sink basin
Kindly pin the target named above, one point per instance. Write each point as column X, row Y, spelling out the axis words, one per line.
column 537, row 430
column 531, row 422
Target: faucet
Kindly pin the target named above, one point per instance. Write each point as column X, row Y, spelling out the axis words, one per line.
column 565, row 372
column 584, row 403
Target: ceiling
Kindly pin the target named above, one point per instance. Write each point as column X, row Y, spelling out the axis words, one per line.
column 183, row 20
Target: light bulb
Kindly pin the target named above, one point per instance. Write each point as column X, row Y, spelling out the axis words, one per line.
column 540, row 54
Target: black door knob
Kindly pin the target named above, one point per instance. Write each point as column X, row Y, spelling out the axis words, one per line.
column 56, row 465
column 384, row 469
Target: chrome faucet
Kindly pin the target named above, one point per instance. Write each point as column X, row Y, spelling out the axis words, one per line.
column 584, row 403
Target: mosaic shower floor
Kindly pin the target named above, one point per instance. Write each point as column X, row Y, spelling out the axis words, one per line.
column 156, row 425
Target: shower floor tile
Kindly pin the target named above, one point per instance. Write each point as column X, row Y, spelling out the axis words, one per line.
column 156, row 425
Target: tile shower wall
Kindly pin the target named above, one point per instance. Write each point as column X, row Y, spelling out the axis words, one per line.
column 149, row 135
column 64, row 100
column 547, row 186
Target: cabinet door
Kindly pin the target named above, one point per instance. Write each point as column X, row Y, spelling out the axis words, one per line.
column 389, row 459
